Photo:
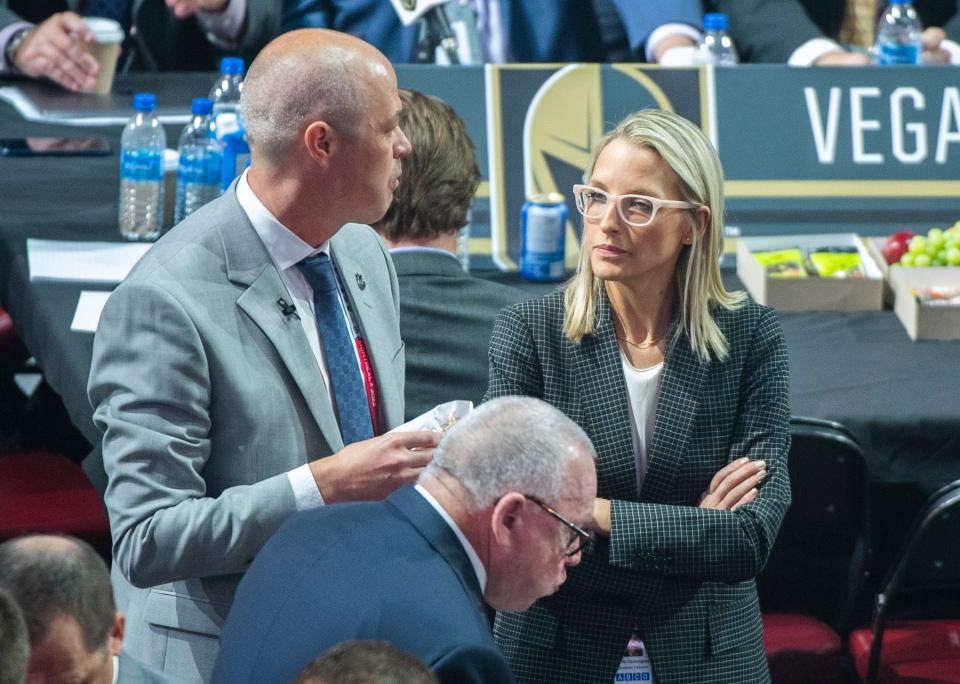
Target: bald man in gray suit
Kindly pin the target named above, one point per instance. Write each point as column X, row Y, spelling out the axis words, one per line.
column 218, row 390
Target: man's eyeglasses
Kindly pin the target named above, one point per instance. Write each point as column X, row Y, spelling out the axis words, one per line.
column 635, row 210
column 580, row 536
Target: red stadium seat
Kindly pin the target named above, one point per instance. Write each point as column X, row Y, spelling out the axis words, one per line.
column 802, row 649
column 46, row 493
column 915, row 633
column 808, row 587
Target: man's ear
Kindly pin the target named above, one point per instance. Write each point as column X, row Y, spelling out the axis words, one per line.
column 506, row 518
column 116, row 634
column 320, row 140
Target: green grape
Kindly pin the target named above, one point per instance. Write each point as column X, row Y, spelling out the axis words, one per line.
column 922, row 260
column 918, row 244
column 907, row 259
column 953, row 256
column 941, row 255
column 935, row 237
column 932, row 249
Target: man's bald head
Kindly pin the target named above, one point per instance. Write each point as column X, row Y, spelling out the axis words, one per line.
column 304, row 76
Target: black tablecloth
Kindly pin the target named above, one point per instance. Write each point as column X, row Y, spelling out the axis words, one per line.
column 900, row 398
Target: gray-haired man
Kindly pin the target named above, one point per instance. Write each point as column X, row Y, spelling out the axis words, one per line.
column 498, row 516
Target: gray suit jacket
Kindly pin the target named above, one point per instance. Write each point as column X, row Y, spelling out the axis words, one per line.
column 681, row 575
column 132, row 671
column 207, row 395
column 446, row 317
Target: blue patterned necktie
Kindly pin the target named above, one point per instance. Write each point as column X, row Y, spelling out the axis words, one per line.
column 349, row 394
column 118, row 10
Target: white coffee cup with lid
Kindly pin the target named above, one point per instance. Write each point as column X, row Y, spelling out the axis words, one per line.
column 108, row 36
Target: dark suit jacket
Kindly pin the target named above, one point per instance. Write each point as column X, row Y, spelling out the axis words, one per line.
column 389, row 571
column 161, row 40
column 683, row 575
column 770, row 30
column 446, row 318
column 538, row 30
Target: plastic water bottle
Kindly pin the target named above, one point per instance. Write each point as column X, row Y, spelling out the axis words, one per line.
column 716, row 46
column 225, row 95
column 141, row 172
column 898, row 34
column 198, row 172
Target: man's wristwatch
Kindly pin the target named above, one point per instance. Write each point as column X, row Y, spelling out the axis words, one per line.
column 13, row 45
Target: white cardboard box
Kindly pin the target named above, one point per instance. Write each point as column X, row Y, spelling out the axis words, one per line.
column 799, row 294
column 924, row 322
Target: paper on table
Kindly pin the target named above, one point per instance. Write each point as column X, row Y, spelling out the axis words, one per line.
column 99, row 262
column 89, row 307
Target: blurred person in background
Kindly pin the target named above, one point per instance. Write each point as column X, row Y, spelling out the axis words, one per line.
column 365, row 662
column 683, row 388
column 445, row 315
column 47, row 39
column 831, row 32
column 14, row 644
column 517, row 30
column 76, row 633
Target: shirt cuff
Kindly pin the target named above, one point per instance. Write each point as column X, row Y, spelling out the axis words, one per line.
column 5, row 35
column 953, row 49
column 665, row 31
column 815, row 48
column 305, row 490
column 223, row 29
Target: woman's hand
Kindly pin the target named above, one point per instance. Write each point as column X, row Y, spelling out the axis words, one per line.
column 734, row 485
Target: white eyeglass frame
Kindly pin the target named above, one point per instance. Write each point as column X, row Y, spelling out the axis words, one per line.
column 656, row 202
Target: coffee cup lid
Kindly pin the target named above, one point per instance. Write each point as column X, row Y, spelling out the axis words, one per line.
column 105, row 30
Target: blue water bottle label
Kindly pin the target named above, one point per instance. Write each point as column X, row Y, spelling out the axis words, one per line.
column 898, row 54
column 200, row 169
column 141, row 165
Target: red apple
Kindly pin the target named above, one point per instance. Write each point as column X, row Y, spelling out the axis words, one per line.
column 896, row 245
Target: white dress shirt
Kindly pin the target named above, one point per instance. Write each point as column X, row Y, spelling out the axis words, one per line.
column 286, row 250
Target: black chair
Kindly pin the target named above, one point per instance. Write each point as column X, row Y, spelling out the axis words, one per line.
column 915, row 632
column 821, row 560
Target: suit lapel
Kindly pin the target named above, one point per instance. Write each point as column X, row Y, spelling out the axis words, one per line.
column 248, row 263
column 435, row 530
column 677, row 405
column 606, row 406
column 350, row 268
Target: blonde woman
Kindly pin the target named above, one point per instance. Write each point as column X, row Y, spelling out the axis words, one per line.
column 682, row 386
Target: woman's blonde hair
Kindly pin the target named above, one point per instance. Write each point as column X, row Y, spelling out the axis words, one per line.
column 699, row 288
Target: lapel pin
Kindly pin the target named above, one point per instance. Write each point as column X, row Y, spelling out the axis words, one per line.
column 361, row 283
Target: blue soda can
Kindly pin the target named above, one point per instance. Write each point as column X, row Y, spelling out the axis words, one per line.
column 543, row 231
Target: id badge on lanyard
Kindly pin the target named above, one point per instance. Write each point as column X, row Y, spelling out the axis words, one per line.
column 635, row 665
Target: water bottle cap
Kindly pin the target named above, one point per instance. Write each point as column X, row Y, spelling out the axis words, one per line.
column 899, row 2
column 231, row 65
column 144, row 102
column 715, row 21
column 201, row 106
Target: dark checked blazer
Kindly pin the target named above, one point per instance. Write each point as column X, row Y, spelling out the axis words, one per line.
column 682, row 575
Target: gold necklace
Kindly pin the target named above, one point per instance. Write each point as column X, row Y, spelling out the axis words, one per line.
column 642, row 345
